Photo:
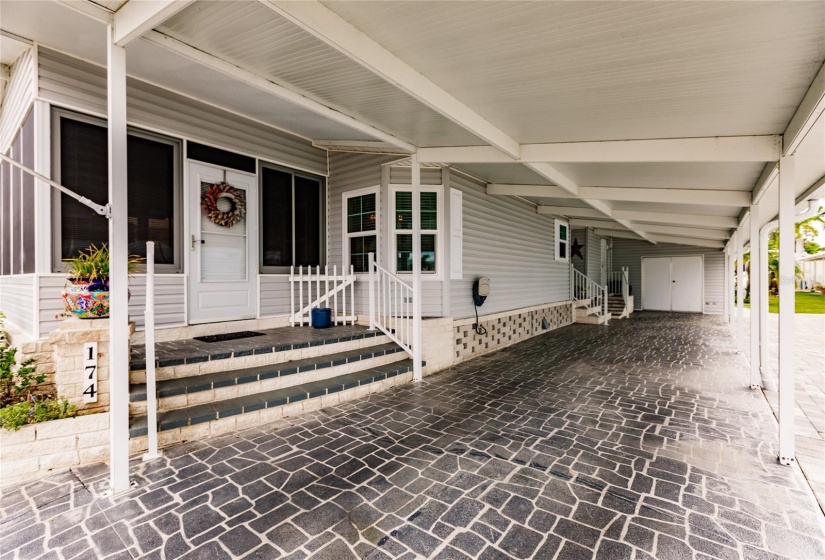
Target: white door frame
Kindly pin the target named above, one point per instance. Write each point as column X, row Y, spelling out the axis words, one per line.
column 193, row 232
column 671, row 257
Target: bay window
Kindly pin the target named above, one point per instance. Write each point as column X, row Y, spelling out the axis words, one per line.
column 361, row 227
column 402, row 238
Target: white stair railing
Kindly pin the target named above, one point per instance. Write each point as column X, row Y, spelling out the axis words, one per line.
column 586, row 289
column 391, row 305
column 325, row 287
column 618, row 283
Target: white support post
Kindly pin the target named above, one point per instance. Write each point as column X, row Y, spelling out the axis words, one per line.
column 786, row 310
column 740, row 292
column 416, row 258
column 118, row 273
column 755, row 293
column 725, row 294
column 372, row 290
column 604, row 305
column 764, row 327
column 152, row 452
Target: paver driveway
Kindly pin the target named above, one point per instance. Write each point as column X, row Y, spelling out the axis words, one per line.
column 636, row 440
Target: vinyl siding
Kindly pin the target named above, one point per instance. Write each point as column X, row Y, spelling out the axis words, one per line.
column 274, row 295
column 77, row 84
column 593, row 255
column 629, row 253
column 506, row 240
column 19, row 95
column 17, row 301
column 579, row 234
column 170, row 301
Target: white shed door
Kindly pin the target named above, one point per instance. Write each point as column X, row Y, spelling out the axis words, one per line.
column 223, row 258
column 656, row 284
column 686, row 286
column 672, row 284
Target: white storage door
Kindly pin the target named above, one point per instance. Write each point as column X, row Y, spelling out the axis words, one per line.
column 686, row 285
column 656, row 284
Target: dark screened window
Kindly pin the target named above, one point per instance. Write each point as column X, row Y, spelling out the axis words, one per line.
column 221, row 158
column 152, row 172
column 361, row 226
column 292, row 210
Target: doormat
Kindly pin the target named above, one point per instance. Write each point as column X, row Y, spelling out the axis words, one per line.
column 228, row 336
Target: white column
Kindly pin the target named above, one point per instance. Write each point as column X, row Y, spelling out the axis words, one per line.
column 118, row 274
column 756, row 290
column 786, row 310
column 416, row 258
column 731, row 265
column 725, row 294
column 764, row 327
column 740, row 293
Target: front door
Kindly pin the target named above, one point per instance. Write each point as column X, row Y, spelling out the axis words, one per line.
column 222, row 244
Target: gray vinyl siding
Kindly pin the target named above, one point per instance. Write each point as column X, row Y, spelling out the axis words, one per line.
column 593, row 255
column 505, row 239
column 579, row 234
column 19, row 95
column 629, row 253
column 403, row 176
column 170, row 301
column 17, row 302
column 274, row 296
column 77, row 84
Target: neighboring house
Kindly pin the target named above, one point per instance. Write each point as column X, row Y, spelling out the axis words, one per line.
column 811, row 270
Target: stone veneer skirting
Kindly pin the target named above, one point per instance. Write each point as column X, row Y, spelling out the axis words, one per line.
column 506, row 328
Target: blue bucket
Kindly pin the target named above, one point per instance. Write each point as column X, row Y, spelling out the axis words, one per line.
column 322, row 317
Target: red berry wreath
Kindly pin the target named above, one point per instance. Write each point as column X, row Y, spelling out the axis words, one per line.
column 236, row 197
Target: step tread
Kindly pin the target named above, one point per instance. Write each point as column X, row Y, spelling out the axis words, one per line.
column 238, row 405
column 282, row 339
column 207, row 381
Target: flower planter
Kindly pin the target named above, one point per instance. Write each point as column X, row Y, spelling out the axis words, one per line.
column 86, row 300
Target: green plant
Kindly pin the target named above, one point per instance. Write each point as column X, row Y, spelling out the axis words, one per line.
column 93, row 264
column 35, row 410
column 17, row 381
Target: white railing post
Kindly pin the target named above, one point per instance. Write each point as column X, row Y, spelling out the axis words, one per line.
column 604, row 305
column 572, row 282
column 292, row 296
column 372, row 290
column 352, row 291
column 416, row 256
column 149, row 330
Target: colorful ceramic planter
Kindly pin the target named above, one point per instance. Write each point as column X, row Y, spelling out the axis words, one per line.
column 86, row 300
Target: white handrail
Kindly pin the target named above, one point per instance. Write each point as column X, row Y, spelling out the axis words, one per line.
column 301, row 309
column 619, row 283
column 584, row 288
column 149, row 329
column 391, row 306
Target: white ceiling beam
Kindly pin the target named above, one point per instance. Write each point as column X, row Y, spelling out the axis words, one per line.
column 669, row 196
column 769, row 174
column 272, row 88
column 89, row 9
column 709, row 243
column 321, row 22
column 616, row 233
column 700, row 150
column 698, row 233
column 605, row 224
column 569, row 211
column 806, row 115
column 624, row 194
column 136, row 17
column 557, row 177
column 722, row 222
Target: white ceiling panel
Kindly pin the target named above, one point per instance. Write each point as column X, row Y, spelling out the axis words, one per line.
column 578, row 71
column 512, row 173
column 256, row 39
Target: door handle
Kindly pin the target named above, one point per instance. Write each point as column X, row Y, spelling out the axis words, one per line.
column 194, row 240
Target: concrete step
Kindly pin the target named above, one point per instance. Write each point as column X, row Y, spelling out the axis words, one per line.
column 209, row 387
column 249, row 410
column 189, row 358
column 592, row 319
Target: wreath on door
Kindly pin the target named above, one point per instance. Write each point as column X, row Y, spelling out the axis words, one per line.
column 237, row 201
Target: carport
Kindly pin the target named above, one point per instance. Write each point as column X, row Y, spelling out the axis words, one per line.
column 697, row 124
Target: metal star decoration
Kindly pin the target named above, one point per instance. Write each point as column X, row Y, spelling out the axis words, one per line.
column 576, row 249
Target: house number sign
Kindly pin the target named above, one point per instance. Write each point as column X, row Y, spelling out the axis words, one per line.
column 90, row 372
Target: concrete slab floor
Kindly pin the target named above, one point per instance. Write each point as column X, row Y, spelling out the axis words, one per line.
column 809, row 394
column 635, row 440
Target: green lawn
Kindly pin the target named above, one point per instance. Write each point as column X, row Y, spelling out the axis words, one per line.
column 806, row 302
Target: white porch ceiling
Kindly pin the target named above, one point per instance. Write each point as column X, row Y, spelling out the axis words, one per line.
column 520, row 72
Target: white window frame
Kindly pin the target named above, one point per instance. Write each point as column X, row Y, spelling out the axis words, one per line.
column 439, row 233
column 557, row 241
column 345, row 235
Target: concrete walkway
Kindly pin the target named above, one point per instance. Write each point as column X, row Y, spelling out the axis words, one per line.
column 636, row 440
column 809, row 416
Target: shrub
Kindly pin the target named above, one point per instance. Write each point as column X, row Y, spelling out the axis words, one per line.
column 17, row 381
column 35, row 410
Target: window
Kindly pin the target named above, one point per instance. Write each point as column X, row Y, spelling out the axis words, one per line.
column 153, row 184
column 402, row 230
column 292, row 219
column 562, row 241
column 361, row 223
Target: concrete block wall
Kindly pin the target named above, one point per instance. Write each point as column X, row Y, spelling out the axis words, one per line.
column 38, row 449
